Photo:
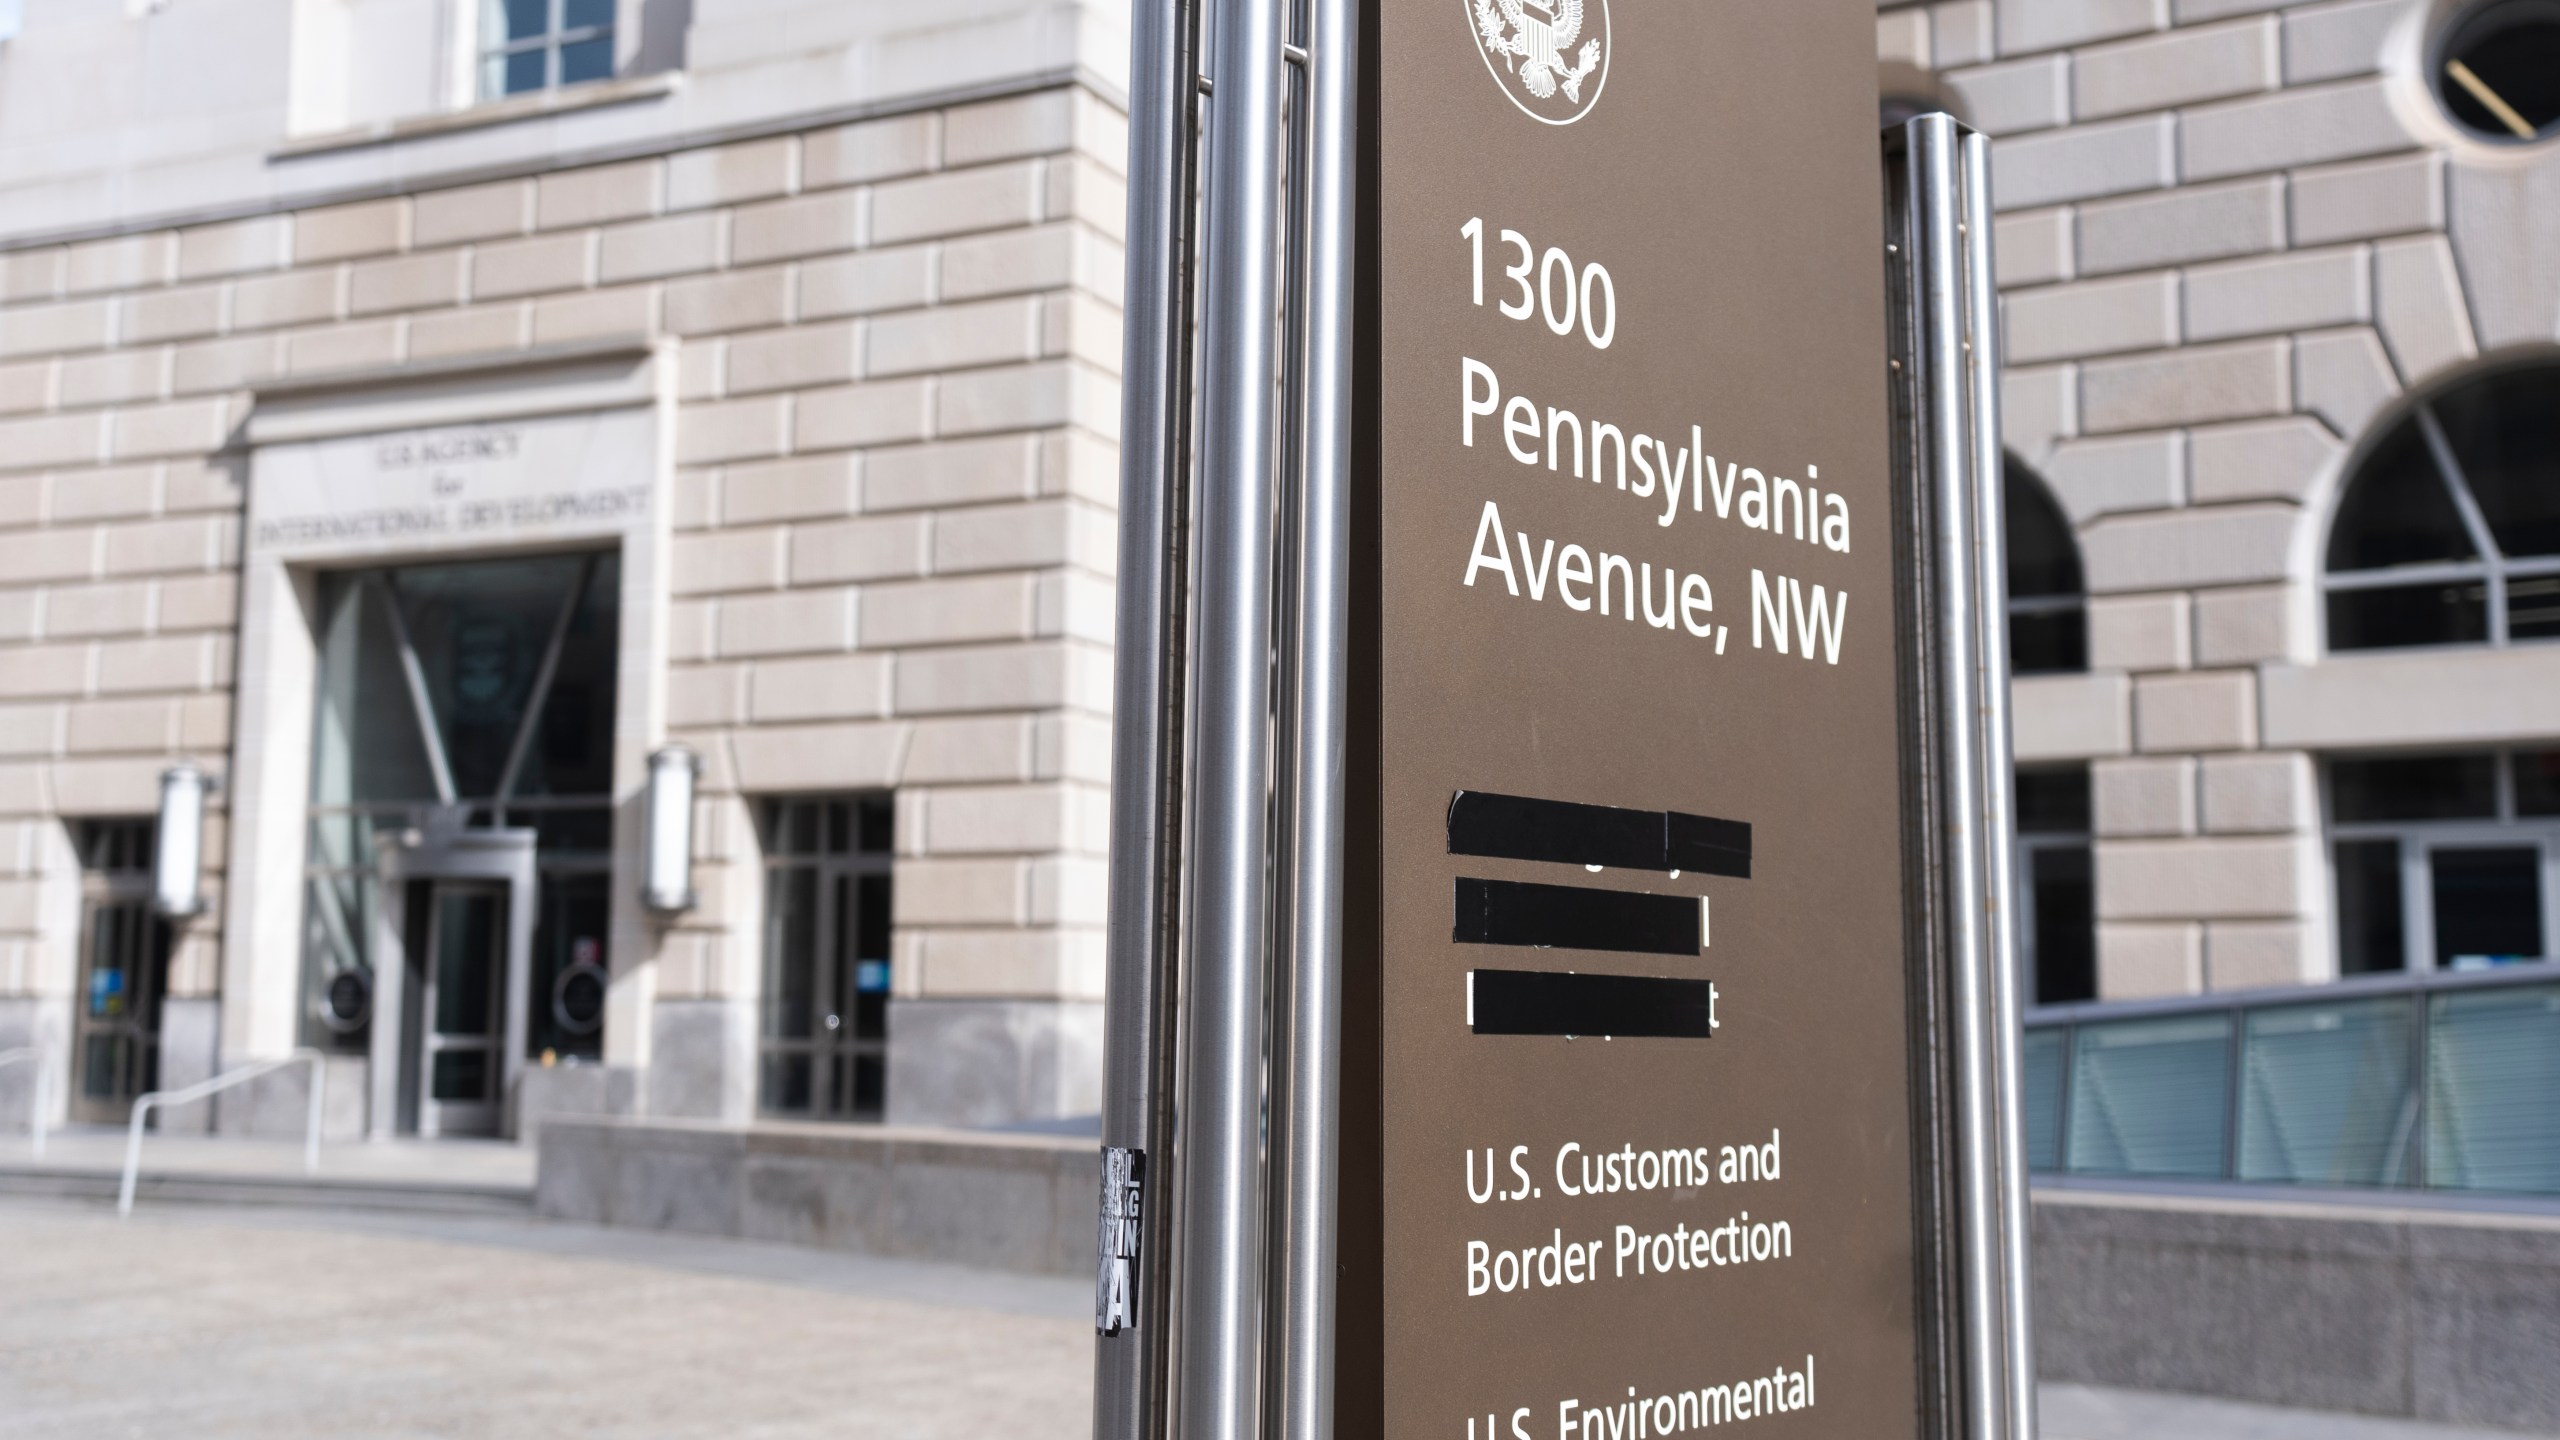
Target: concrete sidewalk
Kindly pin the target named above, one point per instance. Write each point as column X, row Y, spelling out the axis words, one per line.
column 217, row 1322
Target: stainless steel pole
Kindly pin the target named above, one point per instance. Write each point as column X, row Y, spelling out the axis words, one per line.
column 1999, row 809
column 1218, row 1348
column 1304, row 1127
column 1946, row 412
column 1130, row 1283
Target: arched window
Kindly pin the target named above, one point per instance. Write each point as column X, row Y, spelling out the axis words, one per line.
column 2448, row 532
column 2048, row 604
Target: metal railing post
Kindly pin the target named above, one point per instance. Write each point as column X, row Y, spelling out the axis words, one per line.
column 1958, row 417
column 1308, row 1007
column 1147, row 711
column 1999, row 809
column 1219, row 1290
column 40, row 1100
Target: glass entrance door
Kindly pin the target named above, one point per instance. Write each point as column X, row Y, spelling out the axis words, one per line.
column 125, row 967
column 124, row 971
column 460, row 1009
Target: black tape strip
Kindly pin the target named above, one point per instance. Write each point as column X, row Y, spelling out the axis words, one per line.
column 1549, row 1002
column 1574, row 917
column 1707, row 845
column 1517, row 827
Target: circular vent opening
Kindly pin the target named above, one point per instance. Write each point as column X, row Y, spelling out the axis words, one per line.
column 2498, row 70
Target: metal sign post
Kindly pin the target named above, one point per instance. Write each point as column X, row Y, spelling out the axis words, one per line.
column 1561, row 958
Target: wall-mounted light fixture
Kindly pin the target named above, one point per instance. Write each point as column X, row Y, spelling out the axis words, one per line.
column 666, row 886
column 177, row 883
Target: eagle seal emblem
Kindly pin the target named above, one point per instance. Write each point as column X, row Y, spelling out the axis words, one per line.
column 1536, row 51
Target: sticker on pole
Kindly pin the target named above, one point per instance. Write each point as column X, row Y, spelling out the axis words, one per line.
column 1550, row 56
column 1115, row 1292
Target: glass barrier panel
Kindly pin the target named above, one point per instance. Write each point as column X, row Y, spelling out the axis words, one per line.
column 2041, row 1064
column 2326, row 1093
column 2493, row 1072
column 2151, row 1097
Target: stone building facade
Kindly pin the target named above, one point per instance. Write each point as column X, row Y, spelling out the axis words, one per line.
column 416, row 413
column 2238, row 242
column 800, row 326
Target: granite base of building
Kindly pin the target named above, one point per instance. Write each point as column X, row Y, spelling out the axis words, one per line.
column 2438, row 1315
column 1011, row 1202
column 993, row 1062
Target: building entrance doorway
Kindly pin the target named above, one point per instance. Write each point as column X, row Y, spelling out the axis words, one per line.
column 455, row 944
column 463, row 737
column 124, row 972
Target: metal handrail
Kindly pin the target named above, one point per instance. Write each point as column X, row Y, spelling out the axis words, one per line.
column 142, row 1108
column 40, row 1056
column 2349, row 987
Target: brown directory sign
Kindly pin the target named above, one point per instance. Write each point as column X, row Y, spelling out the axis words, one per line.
column 1644, row 1156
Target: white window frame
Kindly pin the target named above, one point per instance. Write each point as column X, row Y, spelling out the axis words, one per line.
column 2420, row 839
column 489, row 51
column 2493, row 570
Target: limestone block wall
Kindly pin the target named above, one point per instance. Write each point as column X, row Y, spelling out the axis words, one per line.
column 897, row 346
column 2231, row 235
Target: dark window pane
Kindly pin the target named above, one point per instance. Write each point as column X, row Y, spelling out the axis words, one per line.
column 2488, row 905
column 839, row 827
column 2043, row 560
column 2533, row 605
column 2513, row 50
column 2538, row 782
column 791, row 954
column 2397, row 510
column 587, row 60
column 800, row 828
column 871, row 942
column 111, row 845
column 460, row 1075
column 525, row 19
column 579, row 831
column 2066, row 938
column 568, row 957
column 2422, row 787
column 2054, row 802
column 2047, row 642
column 784, row 1084
column 2505, row 433
column 870, row 1086
column 2369, row 927
column 481, row 629
column 2443, row 614
column 470, row 930
column 572, row 750
column 585, row 14
column 524, row 71
column 102, row 1067
column 879, row 824
column 365, row 742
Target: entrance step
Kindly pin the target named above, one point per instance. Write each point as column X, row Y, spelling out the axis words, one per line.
column 303, row 1191
column 472, row 1177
